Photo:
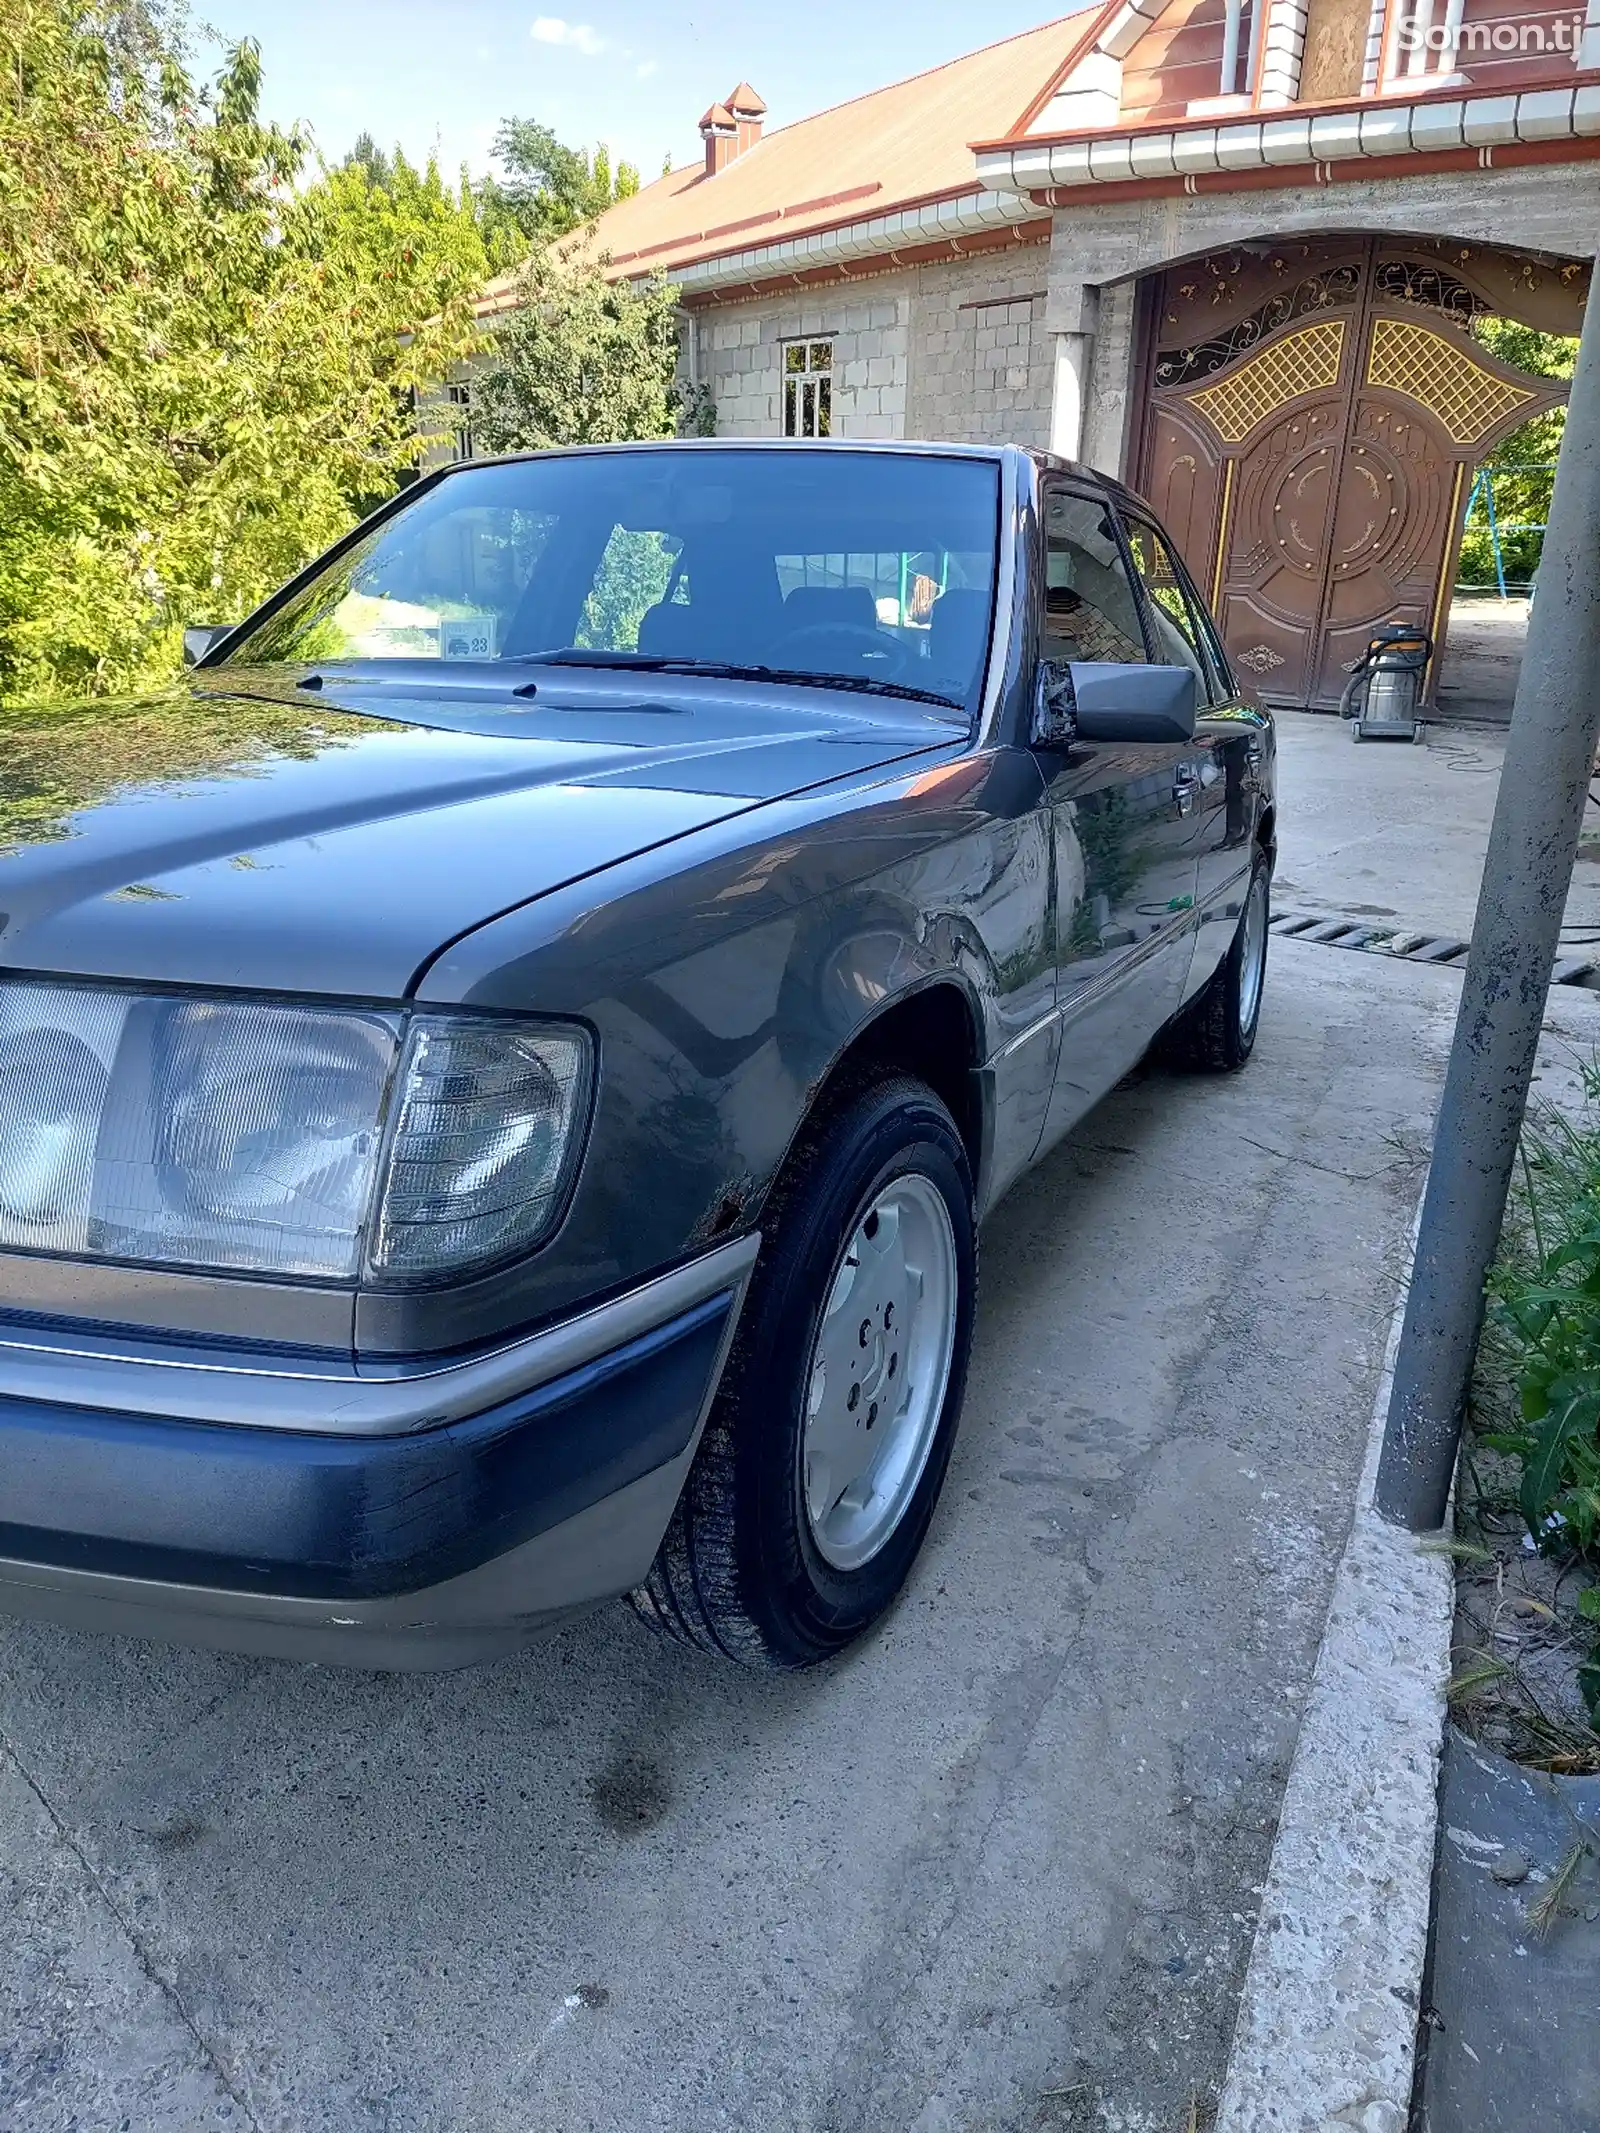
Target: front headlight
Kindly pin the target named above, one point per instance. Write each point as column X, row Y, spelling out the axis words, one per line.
column 254, row 1137
column 483, row 1129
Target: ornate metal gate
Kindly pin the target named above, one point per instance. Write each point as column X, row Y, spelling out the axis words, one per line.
column 1311, row 451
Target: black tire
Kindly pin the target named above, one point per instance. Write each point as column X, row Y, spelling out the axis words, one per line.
column 1214, row 1034
column 739, row 1572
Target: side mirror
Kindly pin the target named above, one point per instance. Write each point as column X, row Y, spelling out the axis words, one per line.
column 201, row 638
column 1093, row 700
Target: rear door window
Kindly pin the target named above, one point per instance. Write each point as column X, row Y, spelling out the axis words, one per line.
column 1090, row 609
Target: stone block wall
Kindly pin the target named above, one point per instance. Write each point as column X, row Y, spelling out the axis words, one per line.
column 955, row 352
column 739, row 354
column 965, row 351
column 981, row 361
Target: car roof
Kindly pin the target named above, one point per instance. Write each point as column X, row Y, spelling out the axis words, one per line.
column 889, row 447
column 897, row 446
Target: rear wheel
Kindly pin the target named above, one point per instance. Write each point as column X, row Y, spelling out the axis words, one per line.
column 1216, row 1032
column 827, row 1447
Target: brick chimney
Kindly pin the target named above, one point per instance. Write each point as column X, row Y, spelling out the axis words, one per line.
column 748, row 112
column 720, row 131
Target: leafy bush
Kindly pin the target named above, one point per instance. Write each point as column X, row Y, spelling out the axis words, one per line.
column 1545, row 1308
column 205, row 365
column 582, row 359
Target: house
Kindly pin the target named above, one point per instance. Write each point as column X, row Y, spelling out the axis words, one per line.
column 1231, row 250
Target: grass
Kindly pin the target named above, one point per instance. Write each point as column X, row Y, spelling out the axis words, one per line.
column 1526, row 1671
column 1547, row 1906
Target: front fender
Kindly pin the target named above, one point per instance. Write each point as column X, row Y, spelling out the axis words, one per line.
column 724, row 979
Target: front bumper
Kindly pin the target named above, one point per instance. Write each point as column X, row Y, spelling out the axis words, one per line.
column 429, row 1544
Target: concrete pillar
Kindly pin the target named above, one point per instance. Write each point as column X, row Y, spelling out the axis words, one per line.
column 1109, row 382
column 1072, row 312
column 1066, row 400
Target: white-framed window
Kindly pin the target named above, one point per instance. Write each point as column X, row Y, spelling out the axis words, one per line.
column 460, row 399
column 1426, row 38
column 808, row 388
column 1238, row 48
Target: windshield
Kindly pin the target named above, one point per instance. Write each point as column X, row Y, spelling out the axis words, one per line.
column 873, row 568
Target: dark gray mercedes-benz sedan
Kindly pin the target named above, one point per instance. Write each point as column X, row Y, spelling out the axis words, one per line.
column 500, row 1072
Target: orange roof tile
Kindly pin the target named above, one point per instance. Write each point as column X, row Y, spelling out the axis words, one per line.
column 745, row 99
column 908, row 142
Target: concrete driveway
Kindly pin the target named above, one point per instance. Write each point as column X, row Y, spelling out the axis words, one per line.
column 1392, row 830
column 995, row 1870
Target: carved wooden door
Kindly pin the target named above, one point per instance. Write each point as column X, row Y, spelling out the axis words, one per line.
column 1280, row 418
column 1391, row 527
column 1429, row 404
column 1311, row 456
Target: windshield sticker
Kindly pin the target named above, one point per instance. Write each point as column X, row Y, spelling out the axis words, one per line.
column 468, row 636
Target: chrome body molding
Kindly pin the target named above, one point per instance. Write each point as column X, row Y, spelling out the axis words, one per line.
column 176, row 1382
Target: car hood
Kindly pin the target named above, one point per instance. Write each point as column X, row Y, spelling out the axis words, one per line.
column 236, row 833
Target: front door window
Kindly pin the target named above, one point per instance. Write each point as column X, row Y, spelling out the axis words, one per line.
column 1177, row 626
column 1216, row 800
column 1090, row 611
column 1124, row 872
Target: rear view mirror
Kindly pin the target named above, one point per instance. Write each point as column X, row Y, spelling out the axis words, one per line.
column 202, row 638
column 1091, row 700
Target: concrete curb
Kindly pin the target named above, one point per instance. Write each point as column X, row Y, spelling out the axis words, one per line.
column 1326, row 2035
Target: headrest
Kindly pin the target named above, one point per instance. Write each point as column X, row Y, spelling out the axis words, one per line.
column 834, row 607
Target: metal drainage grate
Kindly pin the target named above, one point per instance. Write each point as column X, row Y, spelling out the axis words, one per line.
column 1414, row 947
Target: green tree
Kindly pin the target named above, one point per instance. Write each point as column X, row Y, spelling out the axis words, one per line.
column 469, row 223
column 583, row 359
column 1523, row 466
column 368, row 156
column 204, row 371
column 550, row 188
column 211, row 355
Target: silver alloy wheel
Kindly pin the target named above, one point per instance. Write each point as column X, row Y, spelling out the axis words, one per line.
column 1253, row 955
column 880, row 1367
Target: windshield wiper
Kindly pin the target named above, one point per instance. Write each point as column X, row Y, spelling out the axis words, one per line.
column 580, row 655
column 728, row 670
column 863, row 685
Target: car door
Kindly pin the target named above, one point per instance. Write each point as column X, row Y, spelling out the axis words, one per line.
column 1222, row 766
column 1125, row 876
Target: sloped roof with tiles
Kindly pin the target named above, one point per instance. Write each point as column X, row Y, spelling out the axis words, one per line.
column 904, row 145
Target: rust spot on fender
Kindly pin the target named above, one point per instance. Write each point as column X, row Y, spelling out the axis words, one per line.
column 725, row 1215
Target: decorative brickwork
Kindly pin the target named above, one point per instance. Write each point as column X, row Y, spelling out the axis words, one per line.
column 1282, row 48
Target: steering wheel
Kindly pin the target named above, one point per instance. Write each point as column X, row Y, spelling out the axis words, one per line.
column 878, row 656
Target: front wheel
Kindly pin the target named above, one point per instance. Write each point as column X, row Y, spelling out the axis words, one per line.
column 827, row 1447
column 1216, row 1032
